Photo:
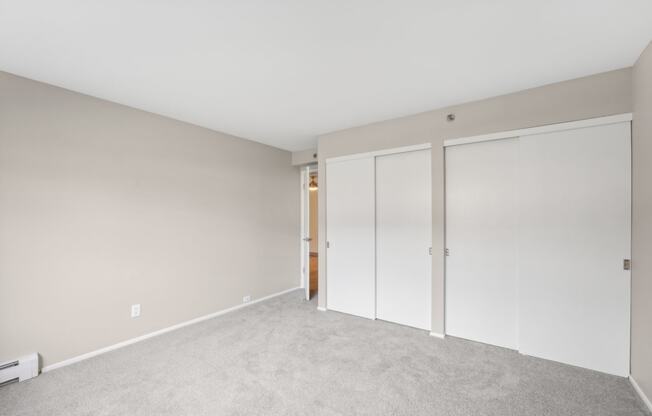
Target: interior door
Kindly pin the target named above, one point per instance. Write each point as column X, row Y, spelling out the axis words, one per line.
column 350, row 235
column 575, row 233
column 404, row 238
column 305, row 230
column 481, row 242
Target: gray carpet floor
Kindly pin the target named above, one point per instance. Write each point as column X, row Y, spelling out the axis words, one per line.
column 283, row 357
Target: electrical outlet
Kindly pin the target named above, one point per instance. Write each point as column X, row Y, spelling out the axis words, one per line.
column 135, row 310
column 246, row 299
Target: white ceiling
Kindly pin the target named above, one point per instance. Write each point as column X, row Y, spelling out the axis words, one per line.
column 284, row 71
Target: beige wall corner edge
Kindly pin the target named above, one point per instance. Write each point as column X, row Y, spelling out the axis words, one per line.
column 641, row 393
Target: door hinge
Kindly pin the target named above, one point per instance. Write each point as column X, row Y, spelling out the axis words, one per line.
column 447, row 252
column 430, row 251
column 627, row 264
column 328, row 244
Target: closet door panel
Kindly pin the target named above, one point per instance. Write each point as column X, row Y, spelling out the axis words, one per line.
column 350, row 232
column 575, row 232
column 481, row 236
column 404, row 238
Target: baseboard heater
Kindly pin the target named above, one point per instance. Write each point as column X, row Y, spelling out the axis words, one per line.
column 19, row 370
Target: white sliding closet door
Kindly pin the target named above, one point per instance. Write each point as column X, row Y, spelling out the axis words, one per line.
column 350, row 232
column 481, row 236
column 404, row 238
column 575, row 232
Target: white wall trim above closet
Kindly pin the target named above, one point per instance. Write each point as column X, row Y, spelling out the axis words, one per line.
column 382, row 152
column 590, row 122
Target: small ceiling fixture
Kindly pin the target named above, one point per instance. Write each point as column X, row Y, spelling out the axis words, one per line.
column 313, row 183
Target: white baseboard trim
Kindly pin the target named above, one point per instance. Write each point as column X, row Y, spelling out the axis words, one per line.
column 437, row 335
column 159, row 332
column 319, row 308
column 640, row 392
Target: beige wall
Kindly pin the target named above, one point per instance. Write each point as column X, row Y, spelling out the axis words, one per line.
column 304, row 157
column 642, row 223
column 594, row 96
column 103, row 206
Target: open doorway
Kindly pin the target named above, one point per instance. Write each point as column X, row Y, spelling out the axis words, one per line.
column 309, row 249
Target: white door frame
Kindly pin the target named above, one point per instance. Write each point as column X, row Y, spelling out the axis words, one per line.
column 304, row 233
column 375, row 153
column 549, row 128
